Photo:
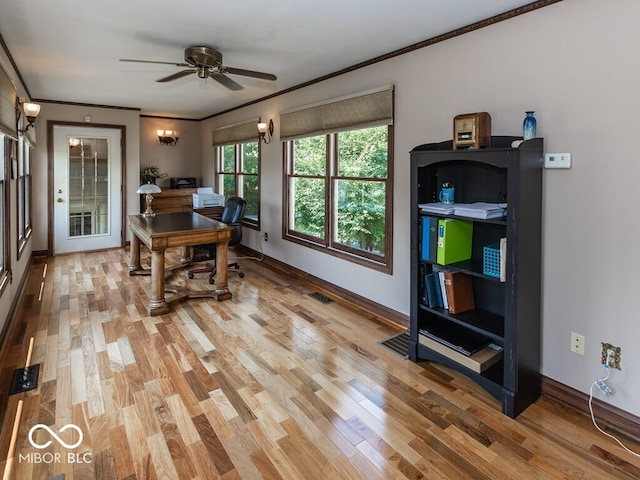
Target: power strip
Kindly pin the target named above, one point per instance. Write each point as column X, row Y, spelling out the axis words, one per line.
column 603, row 387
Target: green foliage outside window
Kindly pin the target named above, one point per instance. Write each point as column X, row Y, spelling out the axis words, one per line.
column 249, row 179
column 359, row 202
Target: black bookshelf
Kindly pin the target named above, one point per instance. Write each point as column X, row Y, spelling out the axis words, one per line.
column 507, row 312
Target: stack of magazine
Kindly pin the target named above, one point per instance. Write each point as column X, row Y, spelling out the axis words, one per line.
column 481, row 210
column 438, row 207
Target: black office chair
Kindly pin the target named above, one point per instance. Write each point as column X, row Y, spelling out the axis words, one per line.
column 232, row 215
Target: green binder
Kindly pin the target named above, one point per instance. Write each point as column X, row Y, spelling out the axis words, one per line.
column 454, row 240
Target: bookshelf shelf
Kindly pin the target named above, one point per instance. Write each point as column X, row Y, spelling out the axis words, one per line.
column 506, row 312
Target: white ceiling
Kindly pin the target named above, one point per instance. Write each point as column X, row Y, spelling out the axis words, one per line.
column 69, row 50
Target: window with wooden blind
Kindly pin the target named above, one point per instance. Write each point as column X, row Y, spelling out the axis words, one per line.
column 339, row 177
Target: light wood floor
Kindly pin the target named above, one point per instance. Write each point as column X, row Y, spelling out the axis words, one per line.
column 271, row 384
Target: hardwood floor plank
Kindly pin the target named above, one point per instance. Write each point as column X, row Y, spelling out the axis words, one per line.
column 202, row 462
column 213, row 445
column 140, row 454
column 121, row 453
column 270, row 384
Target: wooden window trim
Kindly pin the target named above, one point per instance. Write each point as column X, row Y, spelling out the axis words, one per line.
column 327, row 245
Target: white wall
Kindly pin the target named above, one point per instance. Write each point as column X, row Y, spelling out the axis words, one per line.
column 179, row 160
column 574, row 63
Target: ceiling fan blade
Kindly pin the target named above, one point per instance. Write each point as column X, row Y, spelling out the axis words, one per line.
column 250, row 73
column 175, row 76
column 226, row 81
column 153, row 61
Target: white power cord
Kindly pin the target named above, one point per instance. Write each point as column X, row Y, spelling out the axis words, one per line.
column 600, row 383
column 257, row 259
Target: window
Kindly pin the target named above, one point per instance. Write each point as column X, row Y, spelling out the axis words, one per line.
column 8, row 131
column 338, row 194
column 5, row 158
column 237, row 160
column 238, row 176
column 23, row 201
column 338, row 176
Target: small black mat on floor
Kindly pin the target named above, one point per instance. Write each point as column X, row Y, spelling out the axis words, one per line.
column 23, row 382
column 398, row 344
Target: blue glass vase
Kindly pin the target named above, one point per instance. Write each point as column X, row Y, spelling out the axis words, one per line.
column 529, row 126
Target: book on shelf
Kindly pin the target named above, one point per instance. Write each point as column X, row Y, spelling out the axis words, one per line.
column 429, row 232
column 443, row 291
column 434, row 294
column 480, row 210
column 423, row 288
column 437, row 207
column 459, row 287
column 503, row 259
column 454, row 240
column 478, row 362
column 456, row 336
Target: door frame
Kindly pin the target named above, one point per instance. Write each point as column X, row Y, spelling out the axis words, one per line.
column 50, row 168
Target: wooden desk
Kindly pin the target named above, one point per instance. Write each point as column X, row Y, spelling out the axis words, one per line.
column 180, row 229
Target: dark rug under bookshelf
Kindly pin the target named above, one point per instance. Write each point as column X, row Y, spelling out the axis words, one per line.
column 398, row 344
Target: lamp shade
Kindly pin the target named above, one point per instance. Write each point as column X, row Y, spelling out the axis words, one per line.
column 148, row 188
column 31, row 109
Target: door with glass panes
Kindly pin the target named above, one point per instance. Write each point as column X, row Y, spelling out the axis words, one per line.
column 87, row 188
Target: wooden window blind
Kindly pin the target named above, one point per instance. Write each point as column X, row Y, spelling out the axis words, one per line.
column 235, row 134
column 364, row 110
column 8, row 124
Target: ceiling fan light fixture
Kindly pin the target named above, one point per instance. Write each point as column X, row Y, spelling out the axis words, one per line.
column 206, row 62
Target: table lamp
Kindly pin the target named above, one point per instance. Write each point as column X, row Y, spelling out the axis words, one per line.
column 148, row 189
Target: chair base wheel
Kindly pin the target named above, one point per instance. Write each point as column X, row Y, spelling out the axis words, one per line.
column 211, row 281
column 241, row 275
column 190, row 275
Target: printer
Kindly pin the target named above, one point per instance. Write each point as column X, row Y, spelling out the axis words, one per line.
column 205, row 197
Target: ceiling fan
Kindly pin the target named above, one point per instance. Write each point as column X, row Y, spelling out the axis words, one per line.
column 207, row 63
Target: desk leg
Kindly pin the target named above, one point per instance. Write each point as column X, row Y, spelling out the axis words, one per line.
column 134, row 264
column 157, row 303
column 222, row 291
column 185, row 253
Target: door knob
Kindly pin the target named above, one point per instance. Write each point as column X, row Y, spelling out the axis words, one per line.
column 59, row 200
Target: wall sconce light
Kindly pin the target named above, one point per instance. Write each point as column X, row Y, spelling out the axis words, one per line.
column 263, row 129
column 30, row 111
column 168, row 137
column 148, row 189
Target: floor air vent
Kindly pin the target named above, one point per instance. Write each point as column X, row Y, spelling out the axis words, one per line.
column 320, row 297
column 398, row 344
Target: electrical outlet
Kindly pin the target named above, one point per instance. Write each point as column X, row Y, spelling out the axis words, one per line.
column 577, row 343
column 266, row 237
column 613, row 353
column 603, row 387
